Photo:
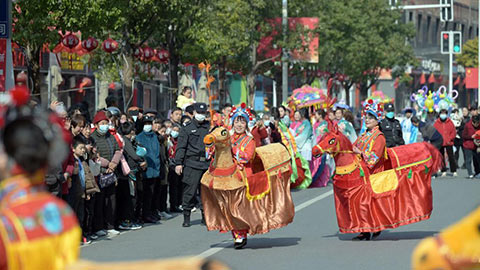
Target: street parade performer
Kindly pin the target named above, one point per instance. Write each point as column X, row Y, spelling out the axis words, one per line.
column 378, row 188
column 246, row 190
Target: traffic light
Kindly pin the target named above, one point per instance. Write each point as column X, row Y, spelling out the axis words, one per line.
column 446, row 13
column 457, row 42
column 445, row 44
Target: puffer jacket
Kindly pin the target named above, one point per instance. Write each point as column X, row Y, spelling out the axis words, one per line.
column 447, row 130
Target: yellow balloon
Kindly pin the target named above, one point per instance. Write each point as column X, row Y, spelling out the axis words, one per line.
column 429, row 103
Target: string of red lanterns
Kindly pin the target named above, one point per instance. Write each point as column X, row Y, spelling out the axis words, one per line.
column 71, row 43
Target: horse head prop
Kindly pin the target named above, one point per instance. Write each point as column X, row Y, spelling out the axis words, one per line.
column 218, row 141
column 332, row 142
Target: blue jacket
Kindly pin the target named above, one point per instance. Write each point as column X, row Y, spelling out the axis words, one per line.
column 149, row 140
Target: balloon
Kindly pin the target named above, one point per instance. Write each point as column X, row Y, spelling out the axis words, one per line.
column 429, row 103
column 456, row 94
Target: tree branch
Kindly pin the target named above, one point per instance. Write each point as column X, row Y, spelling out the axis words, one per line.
column 259, row 63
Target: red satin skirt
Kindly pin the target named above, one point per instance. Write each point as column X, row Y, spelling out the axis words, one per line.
column 359, row 209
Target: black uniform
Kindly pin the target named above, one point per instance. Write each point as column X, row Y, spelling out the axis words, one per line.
column 392, row 130
column 191, row 154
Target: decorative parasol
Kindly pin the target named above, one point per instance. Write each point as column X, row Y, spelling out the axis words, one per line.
column 308, row 96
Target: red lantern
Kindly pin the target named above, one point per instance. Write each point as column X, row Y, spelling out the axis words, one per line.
column 148, row 53
column 163, row 55
column 138, row 53
column 90, row 44
column 70, row 41
column 110, row 45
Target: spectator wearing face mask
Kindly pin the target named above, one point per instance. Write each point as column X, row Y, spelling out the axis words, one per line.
column 391, row 127
column 161, row 187
column 110, row 155
column 174, row 180
column 148, row 139
column 126, row 190
column 446, row 127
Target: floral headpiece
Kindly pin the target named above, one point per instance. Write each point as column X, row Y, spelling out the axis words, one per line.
column 241, row 111
column 373, row 107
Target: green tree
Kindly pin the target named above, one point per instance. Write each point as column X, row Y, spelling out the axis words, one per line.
column 228, row 32
column 469, row 55
column 37, row 23
column 358, row 38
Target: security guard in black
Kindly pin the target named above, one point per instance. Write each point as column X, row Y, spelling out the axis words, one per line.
column 391, row 128
column 190, row 159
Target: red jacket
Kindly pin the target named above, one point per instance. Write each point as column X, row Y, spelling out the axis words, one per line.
column 467, row 134
column 447, row 130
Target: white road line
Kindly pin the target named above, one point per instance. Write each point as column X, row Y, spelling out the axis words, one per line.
column 314, row 200
column 227, row 243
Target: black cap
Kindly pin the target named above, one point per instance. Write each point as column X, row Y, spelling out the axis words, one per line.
column 389, row 107
column 152, row 111
column 148, row 119
column 200, row 107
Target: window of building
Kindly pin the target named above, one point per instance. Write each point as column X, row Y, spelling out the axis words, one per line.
column 436, row 34
column 420, row 36
column 428, row 34
column 470, row 30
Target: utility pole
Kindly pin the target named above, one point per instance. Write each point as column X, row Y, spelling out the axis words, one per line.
column 284, row 51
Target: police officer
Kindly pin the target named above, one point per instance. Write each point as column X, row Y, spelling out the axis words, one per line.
column 391, row 127
column 190, row 158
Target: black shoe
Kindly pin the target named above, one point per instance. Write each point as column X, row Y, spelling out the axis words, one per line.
column 376, row 234
column 186, row 218
column 362, row 236
column 151, row 219
column 240, row 245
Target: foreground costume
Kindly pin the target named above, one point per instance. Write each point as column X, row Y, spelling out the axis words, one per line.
column 246, row 189
column 379, row 189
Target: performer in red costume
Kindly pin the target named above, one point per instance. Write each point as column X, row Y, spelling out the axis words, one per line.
column 375, row 191
column 371, row 146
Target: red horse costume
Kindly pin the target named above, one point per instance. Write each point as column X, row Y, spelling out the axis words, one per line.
column 382, row 188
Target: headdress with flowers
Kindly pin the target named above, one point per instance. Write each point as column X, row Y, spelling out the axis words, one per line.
column 373, row 107
column 241, row 111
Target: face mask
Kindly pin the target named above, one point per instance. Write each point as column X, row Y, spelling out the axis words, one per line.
column 174, row 134
column 200, row 117
column 147, row 128
column 111, row 127
column 443, row 116
column 134, row 118
column 390, row 114
column 252, row 123
column 267, row 123
column 122, row 121
column 102, row 129
column 168, row 131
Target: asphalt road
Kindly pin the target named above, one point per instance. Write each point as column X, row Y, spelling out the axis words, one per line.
column 312, row 241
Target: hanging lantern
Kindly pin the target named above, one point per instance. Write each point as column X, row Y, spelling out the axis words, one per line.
column 148, row 53
column 138, row 53
column 163, row 55
column 90, row 44
column 110, row 45
column 70, row 41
